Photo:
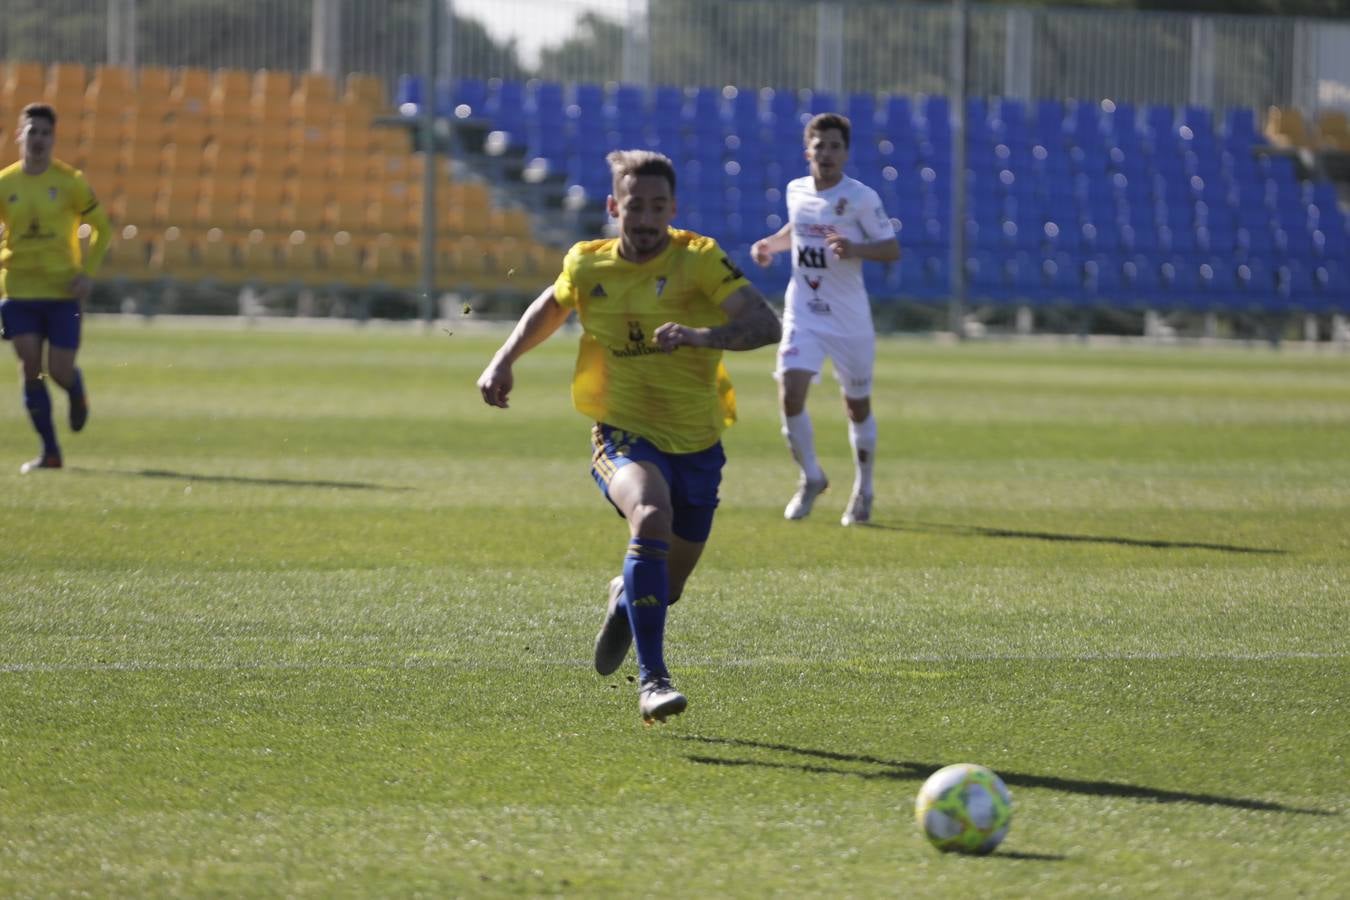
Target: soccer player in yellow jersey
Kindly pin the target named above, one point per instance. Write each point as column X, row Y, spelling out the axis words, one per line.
column 657, row 308
column 44, row 275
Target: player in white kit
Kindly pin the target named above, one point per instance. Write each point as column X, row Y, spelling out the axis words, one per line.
column 834, row 223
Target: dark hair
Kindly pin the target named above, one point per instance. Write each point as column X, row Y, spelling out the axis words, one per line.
column 826, row 121
column 38, row 111
column 623, row 163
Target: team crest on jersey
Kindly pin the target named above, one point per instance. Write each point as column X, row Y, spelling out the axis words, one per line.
column 51, row 193
column 635, row 332
column 814, row 282
column 598, row 291
column 841, row 206
column 660, row 285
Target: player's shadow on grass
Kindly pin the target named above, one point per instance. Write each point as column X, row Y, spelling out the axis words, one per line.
column 904, row 770
column 983, row 531
column 242, row 479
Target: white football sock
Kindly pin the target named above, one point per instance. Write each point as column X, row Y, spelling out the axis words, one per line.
column 801, row 440
column 862, row 436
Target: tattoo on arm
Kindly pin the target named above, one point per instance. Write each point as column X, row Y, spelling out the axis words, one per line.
column 758, row 326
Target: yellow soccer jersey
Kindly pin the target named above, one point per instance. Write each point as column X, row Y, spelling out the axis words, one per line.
column 679, row 401
column 40, row 248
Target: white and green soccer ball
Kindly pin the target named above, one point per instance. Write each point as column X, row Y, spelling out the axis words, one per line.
column 965, row 808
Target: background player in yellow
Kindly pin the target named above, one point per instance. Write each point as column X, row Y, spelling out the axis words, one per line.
column 45, row 277
column 657, row 306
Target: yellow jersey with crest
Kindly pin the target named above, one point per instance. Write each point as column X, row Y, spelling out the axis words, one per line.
column 40, row 251
column 680, row 401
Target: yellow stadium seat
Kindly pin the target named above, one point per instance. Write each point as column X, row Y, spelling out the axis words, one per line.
column 25, row 73
column 128, row 255
column 153, row 83
column 1333, row 128
column 304, row 262
column 175, row 257
column 103, row 177
column 343, row 262
column 220, row 257
column 348, row 117
column 224, row 162
column 302, row 216
column 388, row 266
column 177, row 206
column 1286, row 127
column 271, row 99
column 367, row 90
column 65, row 88
column 393, row 141
column 180, row 161
column 230, row 133
column 142, row 158
column 142, row 184
column 111, row 88
column 347, row 213
column 261, row 258
column 314, row 97
column 350, row 168
column 147, row 128
column 231, row 90
column 191, row 91
column 217, row 202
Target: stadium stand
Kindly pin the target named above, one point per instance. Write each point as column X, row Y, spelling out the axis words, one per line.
column 271, row 178
column 263, row 178
column 1067, row 203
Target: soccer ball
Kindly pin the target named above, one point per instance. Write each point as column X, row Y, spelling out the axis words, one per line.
column 964, row 807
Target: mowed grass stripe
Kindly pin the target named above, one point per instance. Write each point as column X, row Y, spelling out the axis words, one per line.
column 305, row 617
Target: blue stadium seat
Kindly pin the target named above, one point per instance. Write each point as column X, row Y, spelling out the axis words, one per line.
column 1124, row 125
column 1102, row 280
column 861, row 110
column 1181, row 283
column 408, row 94
column 470, row 92
column 1219, row 284
column 821, row 102
column 1159, row 120
column 1240, row 126
column 1142, row 286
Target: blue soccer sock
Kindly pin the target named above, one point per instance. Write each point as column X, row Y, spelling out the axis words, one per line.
column 646, row 590
column 76, row 390
column 39, row 404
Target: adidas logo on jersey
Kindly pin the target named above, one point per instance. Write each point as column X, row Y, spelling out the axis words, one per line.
column 598, row 291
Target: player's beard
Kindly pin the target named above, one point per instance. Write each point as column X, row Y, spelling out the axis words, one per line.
column 646, row 240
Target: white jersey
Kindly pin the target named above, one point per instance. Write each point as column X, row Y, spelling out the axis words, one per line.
column 827, row 294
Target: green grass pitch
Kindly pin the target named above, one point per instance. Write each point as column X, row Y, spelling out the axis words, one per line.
column 303, row 617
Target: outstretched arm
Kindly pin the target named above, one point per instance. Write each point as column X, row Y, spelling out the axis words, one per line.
column 544, row 317
column 751, row 323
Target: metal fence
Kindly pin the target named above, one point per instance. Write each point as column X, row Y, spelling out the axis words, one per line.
column 863, row 45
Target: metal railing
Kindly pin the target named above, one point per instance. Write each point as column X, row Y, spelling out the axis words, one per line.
column 858, row 46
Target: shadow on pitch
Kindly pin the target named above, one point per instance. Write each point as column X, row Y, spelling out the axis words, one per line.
column 903, row 770
column 241, row 479
column 982, row 531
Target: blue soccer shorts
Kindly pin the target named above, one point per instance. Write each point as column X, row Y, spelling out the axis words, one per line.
column 56, row 320
column 693, row 477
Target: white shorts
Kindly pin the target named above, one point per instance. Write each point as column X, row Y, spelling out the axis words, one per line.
column 853, row 357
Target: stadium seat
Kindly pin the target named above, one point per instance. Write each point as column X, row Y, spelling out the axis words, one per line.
column 1286, row 127
column 154, row 84
column 190, row 96
column 366, row 90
